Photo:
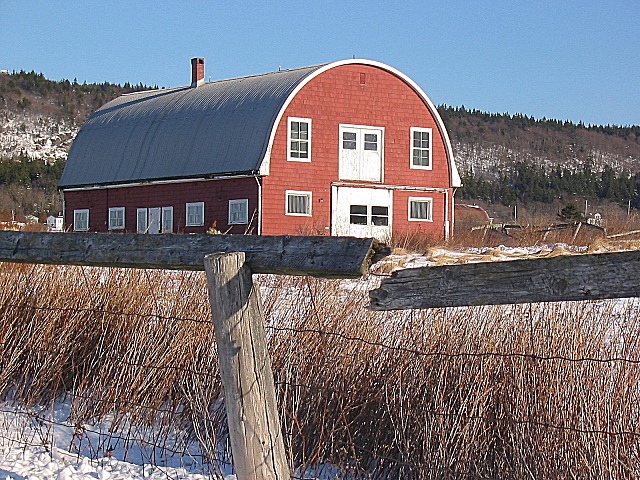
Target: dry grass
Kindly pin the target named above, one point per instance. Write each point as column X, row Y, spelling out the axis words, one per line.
column 534, row 391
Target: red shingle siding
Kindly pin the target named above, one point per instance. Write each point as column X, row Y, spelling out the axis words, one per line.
column 401, row 223
column 214, row 193
column 336, row 97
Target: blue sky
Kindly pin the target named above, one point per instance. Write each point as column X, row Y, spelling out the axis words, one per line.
column 557, row 59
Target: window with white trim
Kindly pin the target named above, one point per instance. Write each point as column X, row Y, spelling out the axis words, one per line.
column 298, row 203
column 81, row 220
column 167, row 220
column 299, row 135
column 239, row 212
column 421, row 148
column 154, row 220
column 116, row 218
column 195, row 214
column 141, row 220
column 420, row 209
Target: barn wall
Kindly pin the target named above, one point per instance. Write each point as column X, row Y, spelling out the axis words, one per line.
column 214, row 193
column 336, row 97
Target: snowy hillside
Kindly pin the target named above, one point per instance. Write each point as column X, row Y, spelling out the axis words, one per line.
column 36, row 136
column 490, row 160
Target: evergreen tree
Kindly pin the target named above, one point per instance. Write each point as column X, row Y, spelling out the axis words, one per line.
column 571, row 212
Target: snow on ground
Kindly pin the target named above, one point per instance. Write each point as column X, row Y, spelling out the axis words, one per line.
column 39, row 444
column 35, row 446
column 438, row 256
column 35, row 463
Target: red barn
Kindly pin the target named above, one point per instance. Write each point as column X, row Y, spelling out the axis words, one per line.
column 352, row 147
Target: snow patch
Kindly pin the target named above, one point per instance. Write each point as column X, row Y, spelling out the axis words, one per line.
column 37, row 137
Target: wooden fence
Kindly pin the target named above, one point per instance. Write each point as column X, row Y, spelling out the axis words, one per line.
column 230, row 261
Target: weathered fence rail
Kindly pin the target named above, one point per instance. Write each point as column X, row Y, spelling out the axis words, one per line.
column 327, row 257
column 574, row 277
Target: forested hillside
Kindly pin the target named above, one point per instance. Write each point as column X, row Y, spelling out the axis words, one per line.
column 488, row 143
column 39, row 119
column 542, row 164
column 503, row 159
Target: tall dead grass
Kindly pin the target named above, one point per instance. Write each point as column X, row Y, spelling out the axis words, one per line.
column 532, row 391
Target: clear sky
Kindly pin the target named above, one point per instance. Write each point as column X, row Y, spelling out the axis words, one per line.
column 575, row 60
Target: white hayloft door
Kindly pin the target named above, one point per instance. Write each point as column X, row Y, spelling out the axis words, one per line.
column 361, row 153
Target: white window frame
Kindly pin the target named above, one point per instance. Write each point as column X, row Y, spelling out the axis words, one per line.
column 411, row 150
column 80, row 211
column 167, row 227
column 198, row 205
column 146, row 220
column 245, row 211
column 427, row 200
column 309, row 195
column 289, row 139
column 112, row 224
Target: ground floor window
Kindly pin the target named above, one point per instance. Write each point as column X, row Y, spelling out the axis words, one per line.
column 155, row 220
column 116, row 218
column 195, row 214
column 362, row 215
column 298, row 203
column 81, row 220
column 239, row 212
column 420, row 209
column 358, row 215
column 167, row 219
column 141, row 220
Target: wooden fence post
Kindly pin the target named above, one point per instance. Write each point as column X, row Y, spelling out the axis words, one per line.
column 254, row 426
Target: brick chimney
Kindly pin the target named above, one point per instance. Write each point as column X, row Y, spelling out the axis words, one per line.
column 197, row 72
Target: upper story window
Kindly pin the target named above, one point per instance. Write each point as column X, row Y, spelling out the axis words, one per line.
column 361, row 153
column 371, row 141
column 239, row 212
column 420, row 209
column 349, row 140
column 116, row 218
column 81, row 220
column 299, row 134
column 421, row 148
column 298, row 203
column 195, row 214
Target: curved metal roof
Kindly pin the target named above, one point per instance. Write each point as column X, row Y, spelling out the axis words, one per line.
column 220, row 127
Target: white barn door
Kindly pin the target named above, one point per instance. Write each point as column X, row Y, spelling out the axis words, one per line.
column 361, row 153
column 154, row 220
column 362, row 212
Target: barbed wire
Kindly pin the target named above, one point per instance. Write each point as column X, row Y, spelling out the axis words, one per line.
column 528, row 356
column 82, row 428
column 337, row 334
column 114, row 313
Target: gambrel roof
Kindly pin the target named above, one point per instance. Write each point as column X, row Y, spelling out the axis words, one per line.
column 220, row 128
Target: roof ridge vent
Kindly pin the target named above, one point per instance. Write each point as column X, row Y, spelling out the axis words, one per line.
column 197, row 72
